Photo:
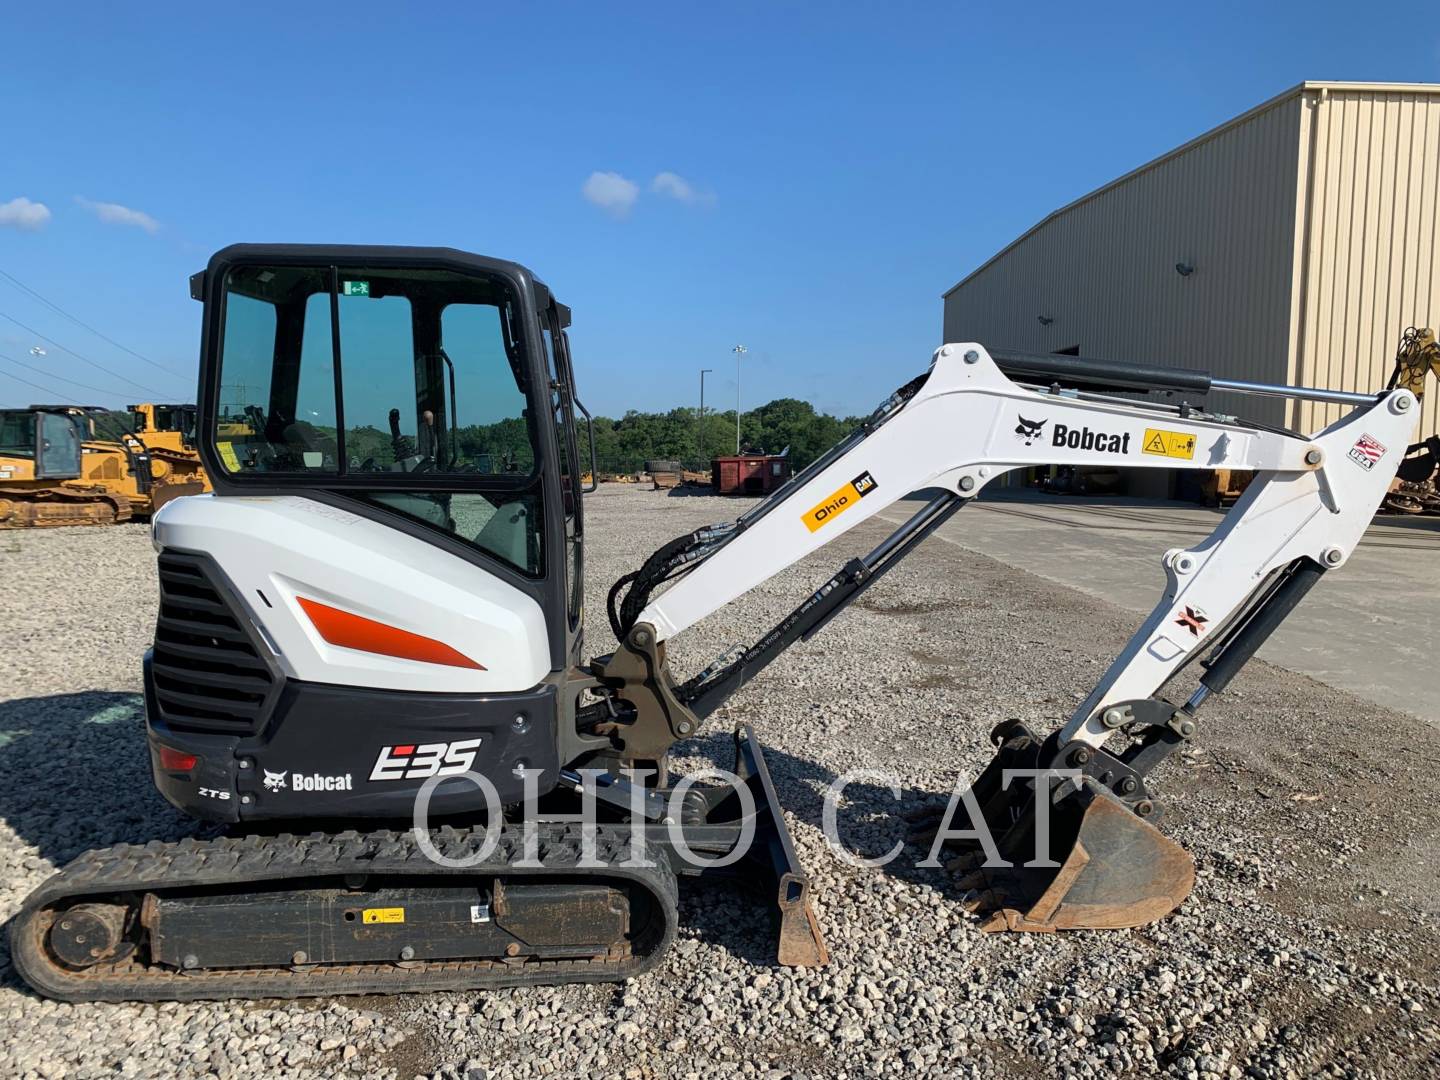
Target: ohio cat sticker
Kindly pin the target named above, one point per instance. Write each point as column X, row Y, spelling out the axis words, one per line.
column 835, row 504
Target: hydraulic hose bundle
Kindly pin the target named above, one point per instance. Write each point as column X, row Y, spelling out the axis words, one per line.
column 668, row 562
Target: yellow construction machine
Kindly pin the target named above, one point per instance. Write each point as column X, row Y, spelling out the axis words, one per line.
column 1414, row 489
column 85, row 465
column 168, row 432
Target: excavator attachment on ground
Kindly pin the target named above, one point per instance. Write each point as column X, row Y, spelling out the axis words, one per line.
column 369, row 670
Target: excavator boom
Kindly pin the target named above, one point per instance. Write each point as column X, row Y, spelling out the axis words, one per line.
column 952, row 432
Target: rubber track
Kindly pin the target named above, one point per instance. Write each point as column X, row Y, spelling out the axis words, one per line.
column 250, row 860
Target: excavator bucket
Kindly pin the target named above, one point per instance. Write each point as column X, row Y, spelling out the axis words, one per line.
column 1096, row 864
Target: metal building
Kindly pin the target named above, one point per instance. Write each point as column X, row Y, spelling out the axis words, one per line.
column 1292, row 244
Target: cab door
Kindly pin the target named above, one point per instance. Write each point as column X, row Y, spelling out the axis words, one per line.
column 57, row 447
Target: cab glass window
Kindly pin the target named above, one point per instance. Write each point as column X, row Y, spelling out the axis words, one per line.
column 59, row 450
column 493, row 432
column 433, row 396
column 17, row 433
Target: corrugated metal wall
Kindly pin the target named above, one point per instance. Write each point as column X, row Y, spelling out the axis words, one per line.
column 1104, row 268
column 1371, row 215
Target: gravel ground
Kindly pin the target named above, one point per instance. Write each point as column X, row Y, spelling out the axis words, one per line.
column 1308, row 948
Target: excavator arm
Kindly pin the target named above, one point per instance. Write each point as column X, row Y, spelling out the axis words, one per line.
column 973, row 417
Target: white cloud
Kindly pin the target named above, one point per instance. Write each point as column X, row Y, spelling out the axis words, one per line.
column 678, row 188
column 115, row 214
column 21, row 213
column 611, row 192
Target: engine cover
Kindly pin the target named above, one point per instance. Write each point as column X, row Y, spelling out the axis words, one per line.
column 288, row 564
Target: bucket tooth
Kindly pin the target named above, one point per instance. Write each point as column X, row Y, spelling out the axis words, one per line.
column 800, row 944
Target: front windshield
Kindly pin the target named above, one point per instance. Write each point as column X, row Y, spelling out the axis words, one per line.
column 432, row 386
column 179, row 418
column 104, row 425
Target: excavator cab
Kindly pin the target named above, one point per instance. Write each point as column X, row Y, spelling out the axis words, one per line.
column 49, row 441
column 397, row 427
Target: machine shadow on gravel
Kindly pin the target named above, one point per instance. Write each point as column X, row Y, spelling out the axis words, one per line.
column 870, row 818
column 704, row 491
column 75, row 774
column 102, row 795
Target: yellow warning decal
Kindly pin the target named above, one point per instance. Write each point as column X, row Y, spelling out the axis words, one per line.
column 835, row 504
column 227, row 454
column 1176, row 444
column 382, row 915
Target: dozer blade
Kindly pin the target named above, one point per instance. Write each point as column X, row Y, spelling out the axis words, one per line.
column 800, row 942
column 167, row 492
column 1103, row 868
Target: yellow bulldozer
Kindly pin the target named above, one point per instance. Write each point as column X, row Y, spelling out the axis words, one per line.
column 85, row 465
column 168, row 432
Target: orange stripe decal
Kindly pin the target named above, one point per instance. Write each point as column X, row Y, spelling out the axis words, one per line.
column 356, row 632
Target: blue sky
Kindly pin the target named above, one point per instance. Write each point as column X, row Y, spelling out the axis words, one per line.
column 807, row 179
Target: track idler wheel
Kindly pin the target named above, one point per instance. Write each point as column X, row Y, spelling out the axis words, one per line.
column 1108, row 868
column 88, row 934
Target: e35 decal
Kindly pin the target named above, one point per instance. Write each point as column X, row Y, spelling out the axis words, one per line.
column 412, row 761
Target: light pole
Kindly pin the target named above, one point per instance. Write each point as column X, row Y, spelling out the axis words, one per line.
column 739, row 351
column 700, row 428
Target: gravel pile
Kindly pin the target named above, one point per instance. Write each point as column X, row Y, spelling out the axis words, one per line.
column 1308, row 948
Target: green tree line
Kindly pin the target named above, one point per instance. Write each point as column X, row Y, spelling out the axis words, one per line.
column 624, row 445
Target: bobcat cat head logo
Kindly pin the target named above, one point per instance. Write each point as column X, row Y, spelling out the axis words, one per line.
column 274, row 781
column 1027, row 431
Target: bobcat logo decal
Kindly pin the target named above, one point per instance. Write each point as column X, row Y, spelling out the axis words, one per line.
column 274, row 781
column 1027, row 431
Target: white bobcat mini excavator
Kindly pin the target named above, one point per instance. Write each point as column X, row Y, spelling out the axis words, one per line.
column 381, row 602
